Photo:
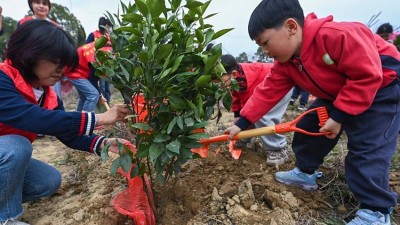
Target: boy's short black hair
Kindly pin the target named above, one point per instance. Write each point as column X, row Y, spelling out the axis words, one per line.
column 272, row 13
column 385, row 28
column 40, row 40
column 104, row 22
column 229, row 62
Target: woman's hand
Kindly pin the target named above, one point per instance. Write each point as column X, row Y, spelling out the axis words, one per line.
column 116, row 113
column 232, row 131
column 113, row 142
column 331, row 126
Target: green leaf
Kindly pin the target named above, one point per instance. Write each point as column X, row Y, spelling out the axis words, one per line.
column 161, row 138
column 143, row 57
column 142, row 153
column 227, row 101
column 142, row 7
column 199, row 35
column 220, row 33
column 210, row 15
column 174, row 146
column 175, row 4
column 134, row 171
column 165, row 73
column 155, row 151
column 179, row 121
column 193, row 4
column 141, row 126
column 177, row 63
column 202, row 124
column 209, row 34
column 126, row 162
column 171, row 125
column 125, row 72
column 100, row 42
column 177, row 102
column 132, row 18
column 198, row 136
column 115, row 165
column 211, row 62
column 164, row 51
column 189, row 122
column 205, row 5
column 104, row 153
column 156, row 7
column 170, row 155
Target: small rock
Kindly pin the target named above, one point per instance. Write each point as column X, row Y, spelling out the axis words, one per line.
column 231, row 201
column 215, row 196
column 236, row 199
column 254, row 207
column 79, row 215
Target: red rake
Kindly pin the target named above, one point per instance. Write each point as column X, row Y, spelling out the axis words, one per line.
column 277, row 129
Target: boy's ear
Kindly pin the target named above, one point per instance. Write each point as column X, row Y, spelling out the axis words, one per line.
column 292, row 26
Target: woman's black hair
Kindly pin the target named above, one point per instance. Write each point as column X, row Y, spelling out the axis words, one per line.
column 40, row 40
column 104, row 22
column 272, row 13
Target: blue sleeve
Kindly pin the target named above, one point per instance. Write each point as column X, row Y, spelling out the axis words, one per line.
column 90, row 38
column 17, row 112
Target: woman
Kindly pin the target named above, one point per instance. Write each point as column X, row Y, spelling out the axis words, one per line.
column 40, row 10
column 28, row 106
column 105, row 27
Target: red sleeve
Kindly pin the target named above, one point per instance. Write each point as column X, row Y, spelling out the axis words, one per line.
column 266, row 95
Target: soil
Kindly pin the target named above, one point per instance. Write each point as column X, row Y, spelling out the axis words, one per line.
column 218, row 190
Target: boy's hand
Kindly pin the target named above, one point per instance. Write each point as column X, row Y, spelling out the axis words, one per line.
column 232, row 131
column 331, row 126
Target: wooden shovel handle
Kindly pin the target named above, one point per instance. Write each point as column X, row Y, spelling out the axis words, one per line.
column 255, row 132
column 279, row 128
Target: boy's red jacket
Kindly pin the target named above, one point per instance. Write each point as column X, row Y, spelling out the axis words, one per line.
column 254, row 74
column 340, row 61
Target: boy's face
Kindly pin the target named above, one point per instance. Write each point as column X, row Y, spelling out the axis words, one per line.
column 385, row 36
column 282, row 43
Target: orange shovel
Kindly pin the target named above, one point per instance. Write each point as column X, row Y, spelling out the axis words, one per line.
column 277, row 129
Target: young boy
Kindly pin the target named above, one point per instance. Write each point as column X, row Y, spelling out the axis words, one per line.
column 248, row 76
column 354, row 74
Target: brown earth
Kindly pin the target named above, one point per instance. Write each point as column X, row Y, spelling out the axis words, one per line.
column 218, row 190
